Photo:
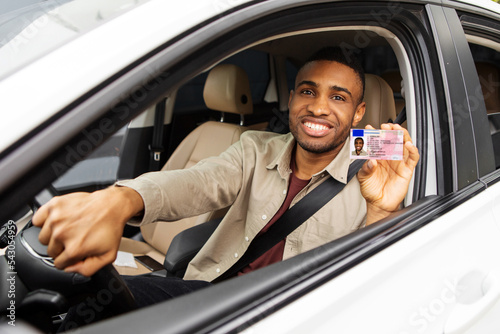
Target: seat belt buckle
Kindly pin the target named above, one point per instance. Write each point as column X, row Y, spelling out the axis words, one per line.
column 156, row 152
column 156, row 156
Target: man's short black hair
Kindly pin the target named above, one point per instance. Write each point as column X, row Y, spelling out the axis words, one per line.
column 360, row 138
column 347, row 58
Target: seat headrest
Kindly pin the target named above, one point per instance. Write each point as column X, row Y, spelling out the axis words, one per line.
column 227, row 89
column 379, row 98
column 489, row 78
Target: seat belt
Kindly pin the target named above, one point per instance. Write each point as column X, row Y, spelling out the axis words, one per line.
column 156, row 146
column 292, row 219
column 401, row 117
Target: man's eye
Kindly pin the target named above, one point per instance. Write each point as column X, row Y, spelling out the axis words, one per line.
column 306, row 92
column 338, row 98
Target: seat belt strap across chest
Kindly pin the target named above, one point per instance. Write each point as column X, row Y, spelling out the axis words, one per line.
column 292, row 219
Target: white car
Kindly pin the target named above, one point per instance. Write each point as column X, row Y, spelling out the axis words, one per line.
column 85, row 86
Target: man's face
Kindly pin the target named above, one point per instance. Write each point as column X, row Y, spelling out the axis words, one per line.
column 324, row 105
column 358, row 144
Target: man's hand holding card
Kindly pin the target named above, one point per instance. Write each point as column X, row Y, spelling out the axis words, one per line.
column 384, row 182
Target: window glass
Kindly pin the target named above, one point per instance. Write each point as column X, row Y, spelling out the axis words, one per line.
column 291, row 73
column 97, row 171
column 31, row 29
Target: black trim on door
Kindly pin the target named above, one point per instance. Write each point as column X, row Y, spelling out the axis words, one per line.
column 477, row 107
column 453, row 57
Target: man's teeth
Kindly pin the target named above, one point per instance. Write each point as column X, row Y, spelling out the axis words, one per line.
column 316, row 126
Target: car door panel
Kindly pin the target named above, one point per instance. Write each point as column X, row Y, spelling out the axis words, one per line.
column 412, row 286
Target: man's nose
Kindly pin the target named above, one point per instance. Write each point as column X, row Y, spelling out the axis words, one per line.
column 319, row 107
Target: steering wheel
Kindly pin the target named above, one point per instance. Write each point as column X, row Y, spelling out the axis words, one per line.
column 35, row 284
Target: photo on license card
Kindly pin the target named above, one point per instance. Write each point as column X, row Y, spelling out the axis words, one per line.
column 376, row 144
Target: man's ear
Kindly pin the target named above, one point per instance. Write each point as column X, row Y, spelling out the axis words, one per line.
column 358, row 114
column 290, row 99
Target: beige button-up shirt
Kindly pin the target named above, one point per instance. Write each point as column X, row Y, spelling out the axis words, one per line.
column 252, row 177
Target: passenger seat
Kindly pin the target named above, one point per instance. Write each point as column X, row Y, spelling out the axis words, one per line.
column 227, row 89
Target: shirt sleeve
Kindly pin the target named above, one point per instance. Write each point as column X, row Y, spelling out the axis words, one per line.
column 210, row 185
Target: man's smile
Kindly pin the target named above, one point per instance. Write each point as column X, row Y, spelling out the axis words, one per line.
column 315, row 128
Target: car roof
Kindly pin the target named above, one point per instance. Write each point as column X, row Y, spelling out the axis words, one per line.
column 85, row 62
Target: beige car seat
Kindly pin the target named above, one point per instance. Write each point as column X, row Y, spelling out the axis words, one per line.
column 227, row 89
column 379, row 100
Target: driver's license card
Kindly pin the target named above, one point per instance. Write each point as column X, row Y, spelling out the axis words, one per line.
column 376, row 144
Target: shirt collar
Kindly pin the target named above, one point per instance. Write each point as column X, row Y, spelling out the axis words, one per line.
column 337, row 168
column 282, row 160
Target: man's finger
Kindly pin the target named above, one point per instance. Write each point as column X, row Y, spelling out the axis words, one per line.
column 69, row 256
column 45, row 233
column 413, row 155
column 90, row 265
column 368, row 168
column 54, row 248
column 40, row 216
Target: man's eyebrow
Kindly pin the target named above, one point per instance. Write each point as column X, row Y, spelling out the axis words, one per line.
column 307, row 82
column 342, row 89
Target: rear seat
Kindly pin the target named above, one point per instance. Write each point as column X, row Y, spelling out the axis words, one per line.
column 227, row 89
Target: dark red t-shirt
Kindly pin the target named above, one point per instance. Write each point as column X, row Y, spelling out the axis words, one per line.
column 275, row 254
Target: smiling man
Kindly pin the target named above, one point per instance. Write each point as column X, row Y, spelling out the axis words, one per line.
column 260, row 177
column 326, row 102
